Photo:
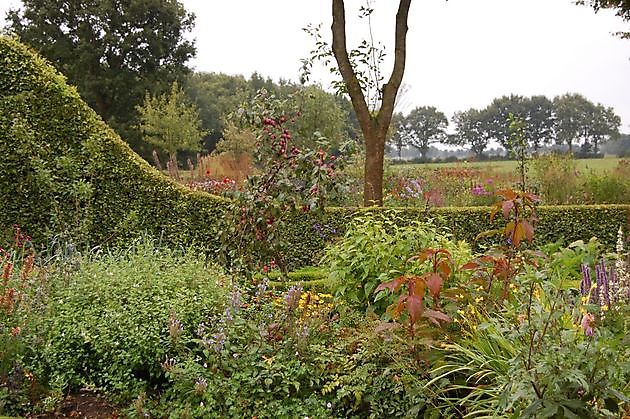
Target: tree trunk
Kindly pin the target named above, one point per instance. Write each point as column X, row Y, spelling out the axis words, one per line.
column 373, row 127
column 373, row 168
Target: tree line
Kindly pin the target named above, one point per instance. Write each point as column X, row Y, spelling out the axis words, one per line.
column 118, row 54
column 569, row 120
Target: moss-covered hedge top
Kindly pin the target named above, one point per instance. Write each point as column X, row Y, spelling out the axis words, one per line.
column 64, row 171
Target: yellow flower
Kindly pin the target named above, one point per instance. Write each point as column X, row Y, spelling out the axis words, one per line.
column 268, row 360
column 478, row 299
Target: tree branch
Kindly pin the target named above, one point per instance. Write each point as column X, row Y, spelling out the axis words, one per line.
column 345, row 67
column 390, row 89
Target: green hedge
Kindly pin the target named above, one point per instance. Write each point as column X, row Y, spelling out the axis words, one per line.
column 567, row 222
column 64, row 171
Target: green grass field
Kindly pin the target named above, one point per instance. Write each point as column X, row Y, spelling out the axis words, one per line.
column 583, row 165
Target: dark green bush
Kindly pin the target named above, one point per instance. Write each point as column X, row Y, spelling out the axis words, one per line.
column 107, row 324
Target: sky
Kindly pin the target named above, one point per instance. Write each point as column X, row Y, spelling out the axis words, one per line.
column 460, row 53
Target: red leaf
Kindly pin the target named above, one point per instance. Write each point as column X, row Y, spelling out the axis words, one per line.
column 436, row 316
column 531, row 197
column 507, row 194
column 529, row 230
column 435, row 285
column 444, row 268
column 414, row 307
column 418, row 285
column 392, row 285
column 424, row 255
column 507, row 207
column 519, row 234
column 470, row 266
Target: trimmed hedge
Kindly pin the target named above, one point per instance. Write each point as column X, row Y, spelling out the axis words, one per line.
column 567, row 222
column 65, row 172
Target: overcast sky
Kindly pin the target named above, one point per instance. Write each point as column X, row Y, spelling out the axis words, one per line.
column 461, row 53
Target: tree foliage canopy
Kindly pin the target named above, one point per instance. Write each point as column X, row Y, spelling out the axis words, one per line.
column 622, row 8
column 113, row 51
column 169, row 123
column 421, row 128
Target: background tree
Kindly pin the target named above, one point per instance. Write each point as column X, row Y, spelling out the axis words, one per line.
column 622, row 9
column 216, row 95
column 603, row 126
column 171, row 124
column 321, row 115
column 112, row 51
column 535, row 112
column 423, row 127
column 395, row 139
column 473, row 129
column 571, row 119
column 540, row 122
column 497, row 114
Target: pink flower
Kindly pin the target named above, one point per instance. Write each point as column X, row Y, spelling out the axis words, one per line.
column 587, row 322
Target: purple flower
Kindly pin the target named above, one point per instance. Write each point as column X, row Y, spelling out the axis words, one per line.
column 585, row 284
column 292, row 297
column 602, row 284
column 218, row 340
column 587, row 324
column 478, row 190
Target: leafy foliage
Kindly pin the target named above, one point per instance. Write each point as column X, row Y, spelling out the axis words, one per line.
column 113, row 52
column 375, row 250
column 169, row 123
column 107, row 324
column 290, row 179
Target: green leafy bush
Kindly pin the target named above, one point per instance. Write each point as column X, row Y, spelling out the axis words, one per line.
column 289, row 355
column 548, row 351
column 107, row 324
column 375, row 249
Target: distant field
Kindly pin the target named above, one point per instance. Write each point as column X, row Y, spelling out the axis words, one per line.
column 583, row 165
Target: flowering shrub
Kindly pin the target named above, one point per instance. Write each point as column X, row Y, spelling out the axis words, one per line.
column 544, row 351
column 289, row 179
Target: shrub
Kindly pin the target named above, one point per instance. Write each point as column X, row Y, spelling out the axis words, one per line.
column 290, row 355
column 107, row 324
column 375, row 249
column 607, row 188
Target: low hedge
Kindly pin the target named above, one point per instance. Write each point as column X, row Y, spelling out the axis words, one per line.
column 65, row 172
column 566, row 222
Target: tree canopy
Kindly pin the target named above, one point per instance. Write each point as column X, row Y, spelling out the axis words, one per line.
column 170, row 123
column 112, row 51
column 421, row 128
column 622, row 8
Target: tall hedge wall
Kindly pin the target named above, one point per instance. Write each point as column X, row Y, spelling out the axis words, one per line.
column 63, row 171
